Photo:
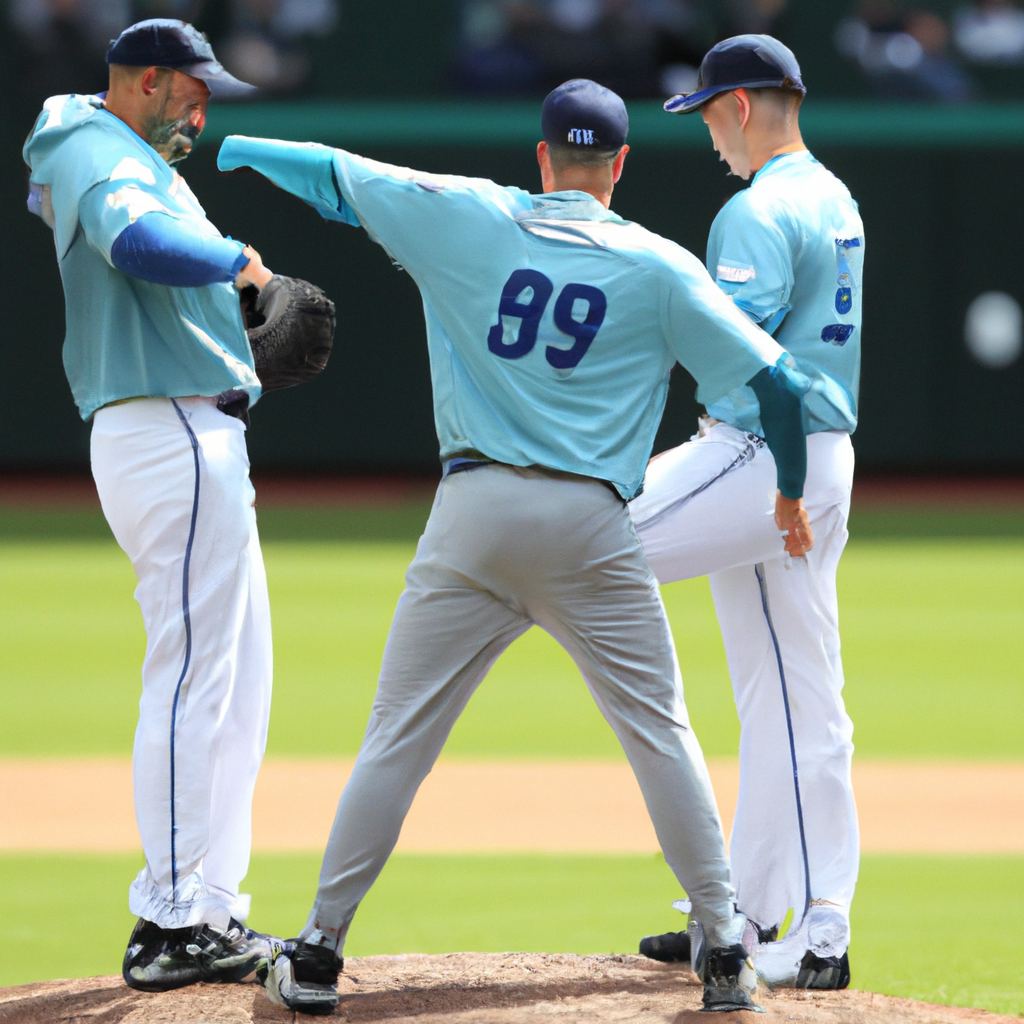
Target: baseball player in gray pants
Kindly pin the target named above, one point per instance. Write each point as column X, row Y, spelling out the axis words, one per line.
column 789, row 251
column 552, row 326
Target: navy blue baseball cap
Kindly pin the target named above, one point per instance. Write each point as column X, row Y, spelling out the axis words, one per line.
column 582, row 114
column 742, row 62
column 169, row 43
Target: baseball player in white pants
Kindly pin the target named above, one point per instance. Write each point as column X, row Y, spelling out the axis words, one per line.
column 173, row 480
column 552, row 326
column 789, row 251
column 156, row 355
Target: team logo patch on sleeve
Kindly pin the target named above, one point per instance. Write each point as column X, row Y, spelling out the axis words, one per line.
column 844, row 275
column 837, row 334
column 735, row 275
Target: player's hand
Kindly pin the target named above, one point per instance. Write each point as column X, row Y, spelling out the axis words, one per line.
column 791, row 517
column 253, row 272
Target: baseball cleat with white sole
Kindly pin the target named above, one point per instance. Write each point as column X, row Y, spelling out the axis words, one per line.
column 302, row 977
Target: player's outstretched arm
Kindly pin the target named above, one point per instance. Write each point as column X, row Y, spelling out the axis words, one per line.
column 306, row 169
column 422, row 220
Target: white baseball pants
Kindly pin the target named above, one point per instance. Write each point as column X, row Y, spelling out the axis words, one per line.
column 173, row 479
column 506, row 548
column 708, row 509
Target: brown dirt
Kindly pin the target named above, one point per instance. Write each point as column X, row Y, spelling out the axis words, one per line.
column 471, row 988
column 509, row 807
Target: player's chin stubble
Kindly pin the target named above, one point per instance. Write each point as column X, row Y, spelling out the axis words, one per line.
column 173, row 140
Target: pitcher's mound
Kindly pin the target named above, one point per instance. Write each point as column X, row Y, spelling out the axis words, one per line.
column 471, row 988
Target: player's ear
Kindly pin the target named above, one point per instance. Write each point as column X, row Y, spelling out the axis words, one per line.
column 617, row 166
column 743, row 103
column 547, row 174
column 148, row 81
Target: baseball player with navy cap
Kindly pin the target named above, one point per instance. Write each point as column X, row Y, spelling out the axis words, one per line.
column 157, row 357
column 552, row 326
column 789, row 252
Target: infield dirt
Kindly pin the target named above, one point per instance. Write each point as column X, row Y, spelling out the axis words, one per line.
column 472, row 988
column 488, row 807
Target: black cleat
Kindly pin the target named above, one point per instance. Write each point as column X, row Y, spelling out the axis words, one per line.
column 670, row 948
column 160, row 959
column 301, row 976
column 729, row 980
column 156, row 959
column 230, row 955
column 823, row 972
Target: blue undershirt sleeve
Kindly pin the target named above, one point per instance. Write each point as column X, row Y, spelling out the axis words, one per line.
column 160, row 249
column 782, row 422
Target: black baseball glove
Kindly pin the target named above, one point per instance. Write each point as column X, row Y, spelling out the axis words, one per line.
column 290, row 324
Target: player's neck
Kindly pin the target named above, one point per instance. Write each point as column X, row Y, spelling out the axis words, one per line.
column 126, row 107
column 597, row 183
column 768, row 149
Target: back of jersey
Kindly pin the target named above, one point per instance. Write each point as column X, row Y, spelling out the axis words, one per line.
column 552, row 323
column 789, row 250
column 546, row 337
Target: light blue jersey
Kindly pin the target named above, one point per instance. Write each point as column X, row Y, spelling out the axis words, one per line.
column 552, row 324
column 91, row 177
column 789, row 250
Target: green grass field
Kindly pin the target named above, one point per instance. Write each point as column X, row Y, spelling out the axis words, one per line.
column 931, row 632
column 931, row 625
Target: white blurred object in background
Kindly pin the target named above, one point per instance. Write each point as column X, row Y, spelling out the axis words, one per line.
column 990, row 32
column 993, row 328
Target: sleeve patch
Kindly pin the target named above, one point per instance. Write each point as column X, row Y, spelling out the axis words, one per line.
column 735, row 275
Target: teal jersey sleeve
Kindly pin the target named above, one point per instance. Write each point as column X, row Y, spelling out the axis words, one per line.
column 306, row 169
column 398, row 206
column 108, row 208
column 710, row 337
column 749, row 255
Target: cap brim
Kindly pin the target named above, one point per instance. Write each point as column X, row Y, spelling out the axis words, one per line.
column 223, row 86
column 687, row 103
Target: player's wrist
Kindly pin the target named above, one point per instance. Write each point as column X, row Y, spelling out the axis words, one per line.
column 253, row 272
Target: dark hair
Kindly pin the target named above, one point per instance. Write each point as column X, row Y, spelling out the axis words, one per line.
column 563, row 156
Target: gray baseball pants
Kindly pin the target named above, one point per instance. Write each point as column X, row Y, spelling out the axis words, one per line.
column 506, row 548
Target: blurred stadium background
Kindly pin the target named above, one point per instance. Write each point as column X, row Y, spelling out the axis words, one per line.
column 918, row 106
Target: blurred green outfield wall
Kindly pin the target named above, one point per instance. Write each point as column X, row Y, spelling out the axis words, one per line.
column 939, row 190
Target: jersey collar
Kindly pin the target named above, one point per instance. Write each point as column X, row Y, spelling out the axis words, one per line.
column 777, row 162
column 569, row 205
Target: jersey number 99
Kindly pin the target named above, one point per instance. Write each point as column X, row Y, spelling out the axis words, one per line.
column 529, row 314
